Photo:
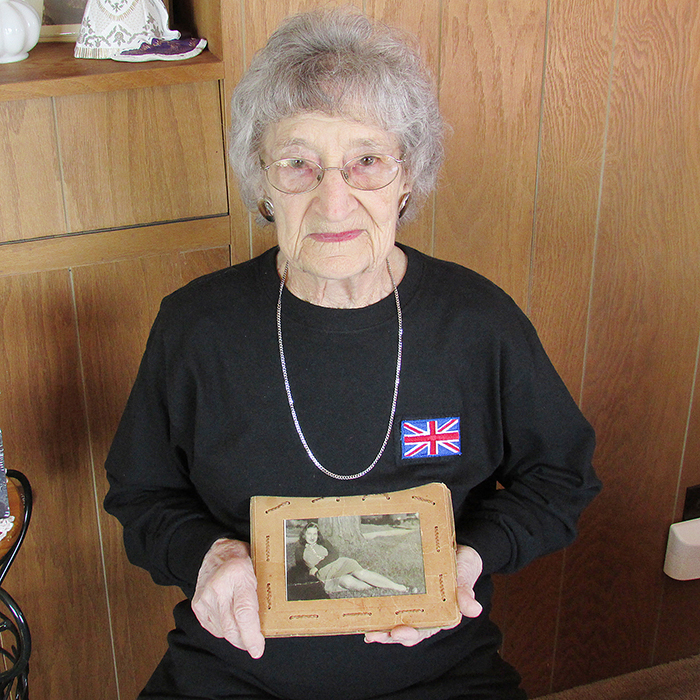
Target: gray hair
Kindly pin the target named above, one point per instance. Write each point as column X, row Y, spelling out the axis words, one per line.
column 340, row 63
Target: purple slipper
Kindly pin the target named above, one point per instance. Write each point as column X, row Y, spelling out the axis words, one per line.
column 163, row 50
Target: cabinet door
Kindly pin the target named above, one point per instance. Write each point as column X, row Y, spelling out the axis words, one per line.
column 31, row 203
column 140, row 156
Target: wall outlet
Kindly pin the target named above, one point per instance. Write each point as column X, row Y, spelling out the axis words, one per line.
column 691, row 508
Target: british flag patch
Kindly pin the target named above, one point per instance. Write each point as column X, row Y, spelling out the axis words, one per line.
column 431, row 437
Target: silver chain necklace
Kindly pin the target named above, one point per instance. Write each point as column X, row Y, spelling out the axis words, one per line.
column 290, row 399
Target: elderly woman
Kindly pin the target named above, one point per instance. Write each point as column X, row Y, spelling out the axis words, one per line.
column 340, row 363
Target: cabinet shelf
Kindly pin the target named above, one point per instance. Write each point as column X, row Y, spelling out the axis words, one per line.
column 52, row 71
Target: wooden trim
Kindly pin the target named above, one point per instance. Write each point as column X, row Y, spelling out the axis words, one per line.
column 106, row 246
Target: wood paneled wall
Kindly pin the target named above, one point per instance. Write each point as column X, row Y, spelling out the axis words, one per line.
column 572, row 180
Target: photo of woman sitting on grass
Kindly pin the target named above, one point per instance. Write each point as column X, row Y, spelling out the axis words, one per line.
column 317, row 560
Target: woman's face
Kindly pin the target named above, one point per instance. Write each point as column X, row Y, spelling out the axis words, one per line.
column 311, row 535
column 334, row 232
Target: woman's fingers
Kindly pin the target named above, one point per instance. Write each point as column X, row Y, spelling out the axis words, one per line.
column 245, row 610
column 469, row 567
column 407, row 636
column 226, row 600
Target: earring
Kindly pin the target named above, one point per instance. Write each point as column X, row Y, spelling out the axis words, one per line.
column 403, row 203
column 266, row 209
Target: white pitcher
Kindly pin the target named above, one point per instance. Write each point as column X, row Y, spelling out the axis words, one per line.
column 20, row 25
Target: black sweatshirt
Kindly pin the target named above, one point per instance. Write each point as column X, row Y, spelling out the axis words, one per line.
column 208, row 425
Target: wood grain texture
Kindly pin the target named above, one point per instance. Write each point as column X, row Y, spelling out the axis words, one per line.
column 579, row 45
column 71, row 251
column 142, row 156
column 57, row 578
column 233, row 38
column 643, row 341
column 30, row 182
column 490, row 85
column 116, row 304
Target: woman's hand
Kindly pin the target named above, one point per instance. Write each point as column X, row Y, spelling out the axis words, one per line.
column 469, row 566
column 225, row 600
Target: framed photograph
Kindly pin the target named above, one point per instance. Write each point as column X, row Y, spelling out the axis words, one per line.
column 61, row 19
column 352, row 564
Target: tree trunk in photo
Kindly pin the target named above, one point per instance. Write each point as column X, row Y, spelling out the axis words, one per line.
column 341, row 530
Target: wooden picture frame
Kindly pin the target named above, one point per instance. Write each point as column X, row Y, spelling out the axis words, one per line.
column 421, row 515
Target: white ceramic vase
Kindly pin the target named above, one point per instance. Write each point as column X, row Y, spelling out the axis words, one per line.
column 112, row 26
column 20, row 26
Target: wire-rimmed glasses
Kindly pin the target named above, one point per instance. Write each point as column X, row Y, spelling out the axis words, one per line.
column 300, row 175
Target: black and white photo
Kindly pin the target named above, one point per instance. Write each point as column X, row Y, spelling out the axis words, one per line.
column 354, row 556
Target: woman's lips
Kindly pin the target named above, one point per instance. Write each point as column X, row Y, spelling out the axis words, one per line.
column 336, row 237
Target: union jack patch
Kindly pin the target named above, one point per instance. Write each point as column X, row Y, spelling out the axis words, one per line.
column 431, row 437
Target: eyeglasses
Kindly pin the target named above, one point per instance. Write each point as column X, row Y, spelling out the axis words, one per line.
column 299, row 175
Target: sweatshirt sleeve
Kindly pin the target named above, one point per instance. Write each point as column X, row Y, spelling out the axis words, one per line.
column 545, row 478
column 167, row 528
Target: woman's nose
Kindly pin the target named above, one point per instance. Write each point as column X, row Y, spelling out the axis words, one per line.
column 334, row 197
